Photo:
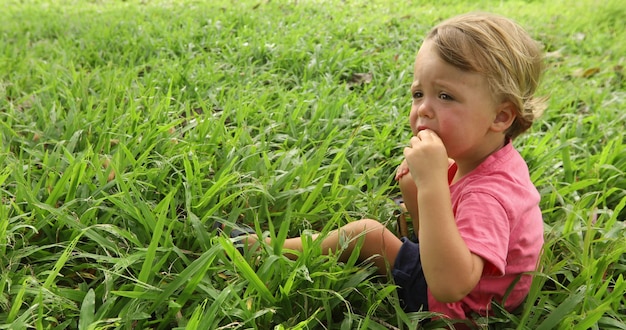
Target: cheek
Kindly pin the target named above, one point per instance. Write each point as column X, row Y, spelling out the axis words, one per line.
column 450, row 131
column 413, row 120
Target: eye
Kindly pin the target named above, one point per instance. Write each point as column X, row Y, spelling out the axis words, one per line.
column 446, row 97
column 417, row 94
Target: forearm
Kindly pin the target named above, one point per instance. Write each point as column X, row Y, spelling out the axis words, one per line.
column 451, row 270
column 409, row 195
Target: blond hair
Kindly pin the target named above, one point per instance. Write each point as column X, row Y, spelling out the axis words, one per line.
column 503, row 52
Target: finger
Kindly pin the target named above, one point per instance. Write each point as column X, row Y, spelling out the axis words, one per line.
column 399, row 173
column 407, row 151
column 424, row 134
column 430, row 137
column 428, row 133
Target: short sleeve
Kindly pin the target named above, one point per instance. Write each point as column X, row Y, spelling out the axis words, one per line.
column 483, row 223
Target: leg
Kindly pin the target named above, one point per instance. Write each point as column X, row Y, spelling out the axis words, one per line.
column 409, row 194
column 379, row 243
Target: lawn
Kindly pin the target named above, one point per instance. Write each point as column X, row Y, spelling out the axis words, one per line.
column 128, row 128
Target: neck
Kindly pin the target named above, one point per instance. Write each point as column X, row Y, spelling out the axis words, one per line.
column 466, row 165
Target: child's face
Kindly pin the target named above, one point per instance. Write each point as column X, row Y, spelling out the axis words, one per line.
column 455, row 104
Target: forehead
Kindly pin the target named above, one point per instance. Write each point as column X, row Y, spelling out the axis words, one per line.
column 428, row 61
column 429, row 66
column 426, row 52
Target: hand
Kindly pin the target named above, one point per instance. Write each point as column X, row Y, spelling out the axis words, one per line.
column 403, row 170
column 427, row 158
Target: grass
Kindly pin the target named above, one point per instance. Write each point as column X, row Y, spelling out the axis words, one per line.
column 129, row 128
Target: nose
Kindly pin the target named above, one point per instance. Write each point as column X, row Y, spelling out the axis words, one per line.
column 423, row 108
column 420, row 109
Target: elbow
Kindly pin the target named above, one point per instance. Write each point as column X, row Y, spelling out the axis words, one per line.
column 453, row 284
column 450, row 293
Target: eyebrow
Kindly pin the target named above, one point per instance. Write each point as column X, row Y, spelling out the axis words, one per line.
column 439, row 83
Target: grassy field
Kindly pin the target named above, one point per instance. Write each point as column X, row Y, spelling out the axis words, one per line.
column 129, row 128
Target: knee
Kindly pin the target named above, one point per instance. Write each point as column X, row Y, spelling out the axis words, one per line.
column 372, row 224
column 366, row 225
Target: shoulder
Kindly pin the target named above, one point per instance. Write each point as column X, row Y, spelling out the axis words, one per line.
column 502, row 175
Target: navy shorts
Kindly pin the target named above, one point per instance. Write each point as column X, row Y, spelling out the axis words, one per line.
column 408, row 275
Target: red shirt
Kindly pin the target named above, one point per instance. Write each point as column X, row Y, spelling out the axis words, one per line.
column 496, row 208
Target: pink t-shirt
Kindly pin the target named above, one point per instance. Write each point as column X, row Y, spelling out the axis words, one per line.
column 496, row 208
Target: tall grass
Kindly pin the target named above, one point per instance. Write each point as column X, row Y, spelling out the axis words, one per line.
column 129, row 128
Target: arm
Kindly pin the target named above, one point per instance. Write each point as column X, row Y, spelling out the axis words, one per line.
column 409, row 194
column 451, row 270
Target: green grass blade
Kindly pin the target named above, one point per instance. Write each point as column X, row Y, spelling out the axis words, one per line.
column 18, row 300
column 256, row 285
column 189, row 278
column 564, row 309
column 87, row 311
column 161, row 211
column 63, row 258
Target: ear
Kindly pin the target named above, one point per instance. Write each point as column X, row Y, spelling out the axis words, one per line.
column 505, row 115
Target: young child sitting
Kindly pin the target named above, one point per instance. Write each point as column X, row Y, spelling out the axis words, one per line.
column 468, row 191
